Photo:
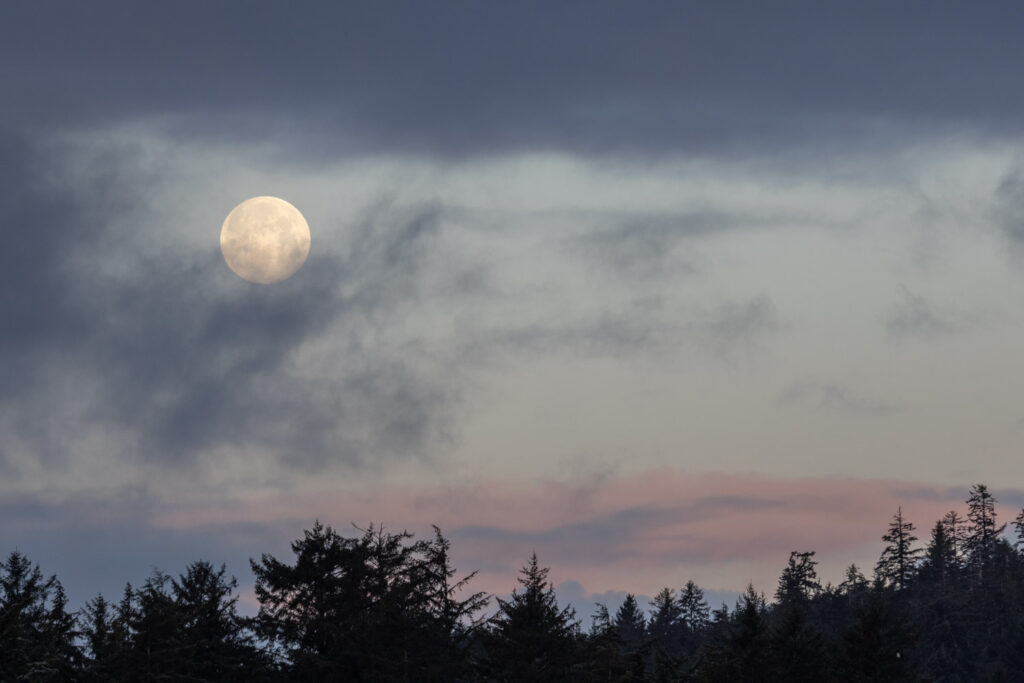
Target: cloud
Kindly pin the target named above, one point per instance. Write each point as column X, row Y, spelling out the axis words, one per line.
column 162, row 357
column 1009, row 202
column 133, row 344
column 640, row 327
column 644, row 247
column 836, row 397
column 737, row 325
column 423, row 80
column 915, row 317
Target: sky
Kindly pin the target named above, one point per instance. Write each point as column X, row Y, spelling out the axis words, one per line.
column 662, row 291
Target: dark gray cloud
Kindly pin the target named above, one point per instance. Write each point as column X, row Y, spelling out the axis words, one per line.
column 914, row 316
column 183, row 357
column 1009, row 202
column 467, row 78
column 836, row 397
column 39, row 229
column 917, row 317
column 734, row 326
column 642, row 247
column 638, row 326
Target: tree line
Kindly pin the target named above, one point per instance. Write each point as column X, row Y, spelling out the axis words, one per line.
column 381, row 606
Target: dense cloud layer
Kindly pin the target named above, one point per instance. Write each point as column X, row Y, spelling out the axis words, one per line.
column 460, row 78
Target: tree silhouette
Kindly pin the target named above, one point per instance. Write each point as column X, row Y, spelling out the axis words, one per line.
column 214, row 640
column 797, row 647
column 939, row 565
column 853, row 582
column 378, row 607
column 630, row 620
column 632, row 628
column 1018, row 527
column 898, row 560
column 24, row 643
column 982, row 531
column 667, row 632
column 95, row 625
column 956, row 532
column 799, row 580
column 531, row 639
column 384, row 606
column 60, row 634
column 739, row 649
column 878, row 644
column 449, row 621
column 604, row 660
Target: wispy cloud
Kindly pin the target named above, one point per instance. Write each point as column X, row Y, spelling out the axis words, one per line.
column 119, row 355
column 644, row 326
column 1009, row 205
column 602, row 536
column 837, row 397
column 917, row 317
column 633, row 532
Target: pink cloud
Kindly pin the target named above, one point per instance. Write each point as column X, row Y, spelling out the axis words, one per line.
column 636, row 532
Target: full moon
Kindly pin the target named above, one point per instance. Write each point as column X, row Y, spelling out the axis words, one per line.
column 265, row 240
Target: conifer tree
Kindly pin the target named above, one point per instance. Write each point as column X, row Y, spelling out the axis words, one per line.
column 799, row 580
column 24, row 646
column 122, row 636
column 982, row 530
column 797, row 649
column 604, row 660
column 378, row 607
column 747, row 640
column 632, row 627
column 95, row 625
column 956, row 533
column 797, row 646
column 853, row 582
column 60, row 633
column 667, row 632
column 898, row 561
column 878, row 643
column 694, row 608
column 450, row 618
column 938, row 566
column 713, row 660
column 1018, row 527
column 531, row 639
column 156, row 648
column 213, row 641
column 630, row 622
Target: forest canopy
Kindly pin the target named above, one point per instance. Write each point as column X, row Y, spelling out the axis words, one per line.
column 383, row 606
